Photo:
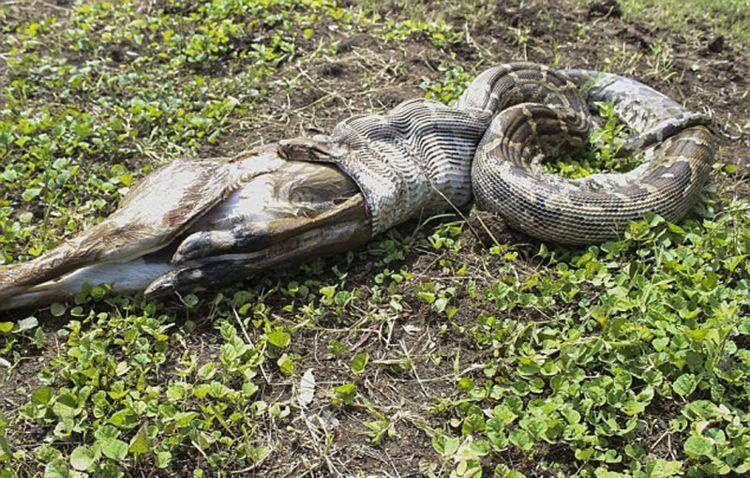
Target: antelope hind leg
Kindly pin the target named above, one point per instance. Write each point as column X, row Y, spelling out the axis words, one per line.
column 150, row 216
column 310, row 209
column 125, row 278
column 155, row 274
column 301, row 196
column 347, row 228
column 279, row 212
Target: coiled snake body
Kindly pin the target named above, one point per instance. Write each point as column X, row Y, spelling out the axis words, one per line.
column 195, row 224
column 424, row 155
column 598, row 207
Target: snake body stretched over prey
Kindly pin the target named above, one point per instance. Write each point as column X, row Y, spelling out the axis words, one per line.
column 194, row 224
column 423, row 154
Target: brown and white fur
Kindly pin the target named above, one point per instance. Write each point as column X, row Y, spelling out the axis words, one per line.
column 195, row 223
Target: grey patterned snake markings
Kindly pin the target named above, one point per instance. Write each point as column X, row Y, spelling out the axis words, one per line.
column 419, row 156
column 598, row 207
column 221, row 220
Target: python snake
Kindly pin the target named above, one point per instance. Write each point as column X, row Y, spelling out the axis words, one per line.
column 194, row 224
column 424, row 155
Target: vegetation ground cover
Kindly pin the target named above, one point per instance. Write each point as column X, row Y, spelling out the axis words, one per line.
column 447, row 347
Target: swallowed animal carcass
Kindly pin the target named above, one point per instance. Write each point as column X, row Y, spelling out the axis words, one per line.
column 198, row 223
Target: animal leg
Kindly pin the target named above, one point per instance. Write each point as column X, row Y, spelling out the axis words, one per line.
column 300, row 196
column 256, row 236
column 148, row 219
column 347, row 228
column 125, row 278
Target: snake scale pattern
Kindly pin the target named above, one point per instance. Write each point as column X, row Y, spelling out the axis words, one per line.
column 194, row 224
column 424, row 156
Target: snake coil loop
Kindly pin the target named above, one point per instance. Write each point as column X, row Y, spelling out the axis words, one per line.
column 425, row 156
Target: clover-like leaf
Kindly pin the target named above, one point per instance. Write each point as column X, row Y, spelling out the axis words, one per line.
column 115, row 449
column 279, row 338
column 698, row 446
column 82, row 458
column 685, row 384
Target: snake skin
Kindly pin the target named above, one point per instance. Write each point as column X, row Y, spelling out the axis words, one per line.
column 424, row 156
column 415, row 159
